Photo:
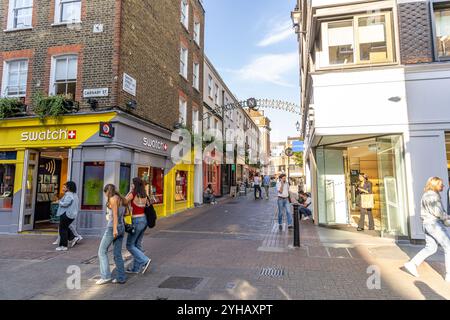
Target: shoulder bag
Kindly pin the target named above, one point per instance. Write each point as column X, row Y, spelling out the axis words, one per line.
column 150, row 214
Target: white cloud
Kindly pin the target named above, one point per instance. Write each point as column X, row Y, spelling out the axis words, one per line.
column 279, row 32
column 269, row 68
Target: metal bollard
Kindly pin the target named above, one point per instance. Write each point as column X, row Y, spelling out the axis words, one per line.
column 296, row 227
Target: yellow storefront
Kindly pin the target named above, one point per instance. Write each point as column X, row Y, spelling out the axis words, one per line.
column 37, row 157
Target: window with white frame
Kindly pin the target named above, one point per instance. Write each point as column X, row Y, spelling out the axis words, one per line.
column 216, row 94
column 20, row 14
column 195, row 121
column 442, row 21
column 197, row 30
column 362, row 39
column 185, row 13
column 183, row 111
column 64, row 75
column 67, row 11
column 196, row 76
column 184, row 61
column 15, row 75
column 210, row 86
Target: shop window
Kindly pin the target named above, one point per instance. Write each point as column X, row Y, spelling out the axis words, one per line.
column 154, row 182
column 67, row 11
column 20, row 14
column 7, row 172
column 363, row 39
column 125, row 177
column 64, row 75
column 8, row 155
column 442, row 20
column 15, row 78
column 181, row 186
column 93, row 180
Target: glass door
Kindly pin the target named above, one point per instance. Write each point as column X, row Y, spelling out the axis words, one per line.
column 392, row 186
column 29, row 184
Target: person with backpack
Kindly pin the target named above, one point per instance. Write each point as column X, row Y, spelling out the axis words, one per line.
column 114, row 234
column 137, row 199
column 257, row 186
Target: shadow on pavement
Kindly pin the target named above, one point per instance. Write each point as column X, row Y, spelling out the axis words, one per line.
column 427, row 292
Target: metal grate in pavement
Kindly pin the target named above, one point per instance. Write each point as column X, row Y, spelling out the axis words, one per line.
column 184, row 283
column 272, row 272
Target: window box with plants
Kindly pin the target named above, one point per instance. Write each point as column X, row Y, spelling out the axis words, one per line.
column 54, row 106
column 12, row 107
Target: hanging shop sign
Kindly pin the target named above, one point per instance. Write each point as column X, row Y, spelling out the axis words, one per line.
column 106, row 130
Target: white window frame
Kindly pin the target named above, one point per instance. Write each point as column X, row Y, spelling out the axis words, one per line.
column 12, row 15
column 184, row 19
column 216, row 94
column 196, row 76
column 195, row 121
column 58, row 11
column 210, row 86
column 52, row 88
column 390, row 41
column 197, row 31
column 184, row 58
column 5, row 81
column 182, row 118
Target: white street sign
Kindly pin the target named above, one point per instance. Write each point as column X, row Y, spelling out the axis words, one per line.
column 93, row 93
column 129, row 84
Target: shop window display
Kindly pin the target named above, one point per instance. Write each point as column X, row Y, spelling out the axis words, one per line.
column 6, row 185
column 181, row 186
column 154, row 182
column 125, row 176
column 93, row 185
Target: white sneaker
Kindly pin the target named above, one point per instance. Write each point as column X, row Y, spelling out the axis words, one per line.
column 56, row 242
column 447, row 277
column 411, row 267
column 61, row 249
column 146, row 266
column 75, row 241
column 305, row 218
column 103, row 281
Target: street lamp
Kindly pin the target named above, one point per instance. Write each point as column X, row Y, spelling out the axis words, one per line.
column 296, row 17
column 297, row 126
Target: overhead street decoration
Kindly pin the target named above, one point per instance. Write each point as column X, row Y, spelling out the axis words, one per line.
column 256, row 104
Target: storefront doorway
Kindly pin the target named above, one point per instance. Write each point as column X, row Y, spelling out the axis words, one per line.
column 339, row 167
column 46, row 170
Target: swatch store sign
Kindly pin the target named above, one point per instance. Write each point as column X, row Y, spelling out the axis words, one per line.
column 49, row 135
column 155, row 144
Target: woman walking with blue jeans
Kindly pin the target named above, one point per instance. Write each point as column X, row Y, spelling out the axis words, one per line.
column 138, row 199
column 113, row 235
column 433, row 217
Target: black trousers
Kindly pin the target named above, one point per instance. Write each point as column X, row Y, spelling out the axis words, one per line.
column 362, row 217
column 65, row 234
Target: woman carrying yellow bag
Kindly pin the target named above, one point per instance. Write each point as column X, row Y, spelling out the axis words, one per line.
column 366, row 202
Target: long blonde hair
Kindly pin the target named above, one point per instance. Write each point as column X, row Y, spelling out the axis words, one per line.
column 111, row 191
column 433, row 184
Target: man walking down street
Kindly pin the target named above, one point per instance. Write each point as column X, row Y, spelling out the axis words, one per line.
column 283, row 202
column 266, row 185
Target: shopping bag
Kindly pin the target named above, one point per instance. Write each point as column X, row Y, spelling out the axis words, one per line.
column 367, row 201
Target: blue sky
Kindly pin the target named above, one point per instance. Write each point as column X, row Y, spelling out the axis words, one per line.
column 253, row 46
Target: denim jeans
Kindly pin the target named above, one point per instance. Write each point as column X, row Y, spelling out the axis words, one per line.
column 106, row 242
column 435, row 233
column 305, row 212
column 284, row 203
column 134, row 244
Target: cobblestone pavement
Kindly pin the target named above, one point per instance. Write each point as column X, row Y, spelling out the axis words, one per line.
column 233, row 250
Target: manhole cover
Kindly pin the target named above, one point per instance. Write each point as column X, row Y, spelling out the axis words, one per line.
column 272, row 272
column 184, row 283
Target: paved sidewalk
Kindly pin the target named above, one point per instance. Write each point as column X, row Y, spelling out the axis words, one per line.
column 232, row 250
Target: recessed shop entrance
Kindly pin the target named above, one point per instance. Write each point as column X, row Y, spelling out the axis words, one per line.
column 45, row 171
column 339, row 168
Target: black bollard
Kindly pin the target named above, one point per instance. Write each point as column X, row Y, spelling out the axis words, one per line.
column 296, row 227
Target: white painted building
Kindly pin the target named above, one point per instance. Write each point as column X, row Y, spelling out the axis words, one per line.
column 376, row 100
